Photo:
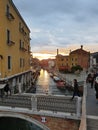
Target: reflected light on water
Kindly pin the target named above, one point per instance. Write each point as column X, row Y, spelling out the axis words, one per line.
column 46, row 78
column 43, row 80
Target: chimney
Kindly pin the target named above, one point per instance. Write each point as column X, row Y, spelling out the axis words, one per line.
column 81, row 47
column 57, row 51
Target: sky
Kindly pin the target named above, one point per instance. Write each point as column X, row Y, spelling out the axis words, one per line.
column 60, row 24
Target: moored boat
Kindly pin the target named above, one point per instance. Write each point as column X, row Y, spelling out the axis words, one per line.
column 51, row 75
column 56, row 79
column 61, row 84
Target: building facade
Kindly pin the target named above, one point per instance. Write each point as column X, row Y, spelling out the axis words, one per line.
column 76, row 57
column 94, row 60
column 14, row 47
column 63, row 62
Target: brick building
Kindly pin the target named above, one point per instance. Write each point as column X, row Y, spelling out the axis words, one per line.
column 76, row 57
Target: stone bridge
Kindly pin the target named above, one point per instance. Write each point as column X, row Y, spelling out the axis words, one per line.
column 38, row 103
column 50, row 112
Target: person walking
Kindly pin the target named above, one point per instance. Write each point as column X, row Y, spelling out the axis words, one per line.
column 6, row 89
column 75, row 90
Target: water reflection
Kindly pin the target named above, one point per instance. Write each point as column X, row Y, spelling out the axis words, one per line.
column 45, row 84
column 43, row 81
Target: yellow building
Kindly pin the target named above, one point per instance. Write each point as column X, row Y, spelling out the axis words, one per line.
column 76, row 57
column 73, row 59
column 14, row 46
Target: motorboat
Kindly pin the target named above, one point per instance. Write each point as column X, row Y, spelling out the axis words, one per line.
column 56, row 79
column 61, row 84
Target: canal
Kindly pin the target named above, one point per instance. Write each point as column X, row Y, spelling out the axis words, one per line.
column 46, row 85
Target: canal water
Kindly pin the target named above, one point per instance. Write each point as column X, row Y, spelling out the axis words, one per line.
column 46, row 85
column 9, row 123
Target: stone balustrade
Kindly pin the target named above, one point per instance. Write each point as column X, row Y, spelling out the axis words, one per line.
column 41, row 102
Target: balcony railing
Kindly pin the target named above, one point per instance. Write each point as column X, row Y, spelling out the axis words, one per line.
column 10, row 16
column 23, row 49
column 21, row 29
column 10, row 43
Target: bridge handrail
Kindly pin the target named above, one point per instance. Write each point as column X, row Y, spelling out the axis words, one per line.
column 42, row 102
column 83, row 125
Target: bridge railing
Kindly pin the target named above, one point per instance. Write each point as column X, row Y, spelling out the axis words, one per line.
column 56, row 103
column 42, row 102
column 16, row 101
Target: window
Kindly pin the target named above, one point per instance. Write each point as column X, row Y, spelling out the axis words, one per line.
column 21, row 44
column 19, row 26
column 7, row 10
column 9, row 14
column 75, row 59
column 9, row 62
column 8, row 36
column 22, row 62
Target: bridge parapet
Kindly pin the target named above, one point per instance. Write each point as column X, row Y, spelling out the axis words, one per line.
column 47, row 103
column 56, row 103
column 16, row 101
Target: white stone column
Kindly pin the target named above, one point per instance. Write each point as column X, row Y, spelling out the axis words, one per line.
column 13, row 85
column 19, row 87
column 78, row 107
column 34, row 102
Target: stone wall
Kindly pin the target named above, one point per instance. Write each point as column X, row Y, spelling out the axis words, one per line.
column 57, row 123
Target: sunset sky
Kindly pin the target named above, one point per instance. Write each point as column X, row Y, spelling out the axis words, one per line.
column 60, row 24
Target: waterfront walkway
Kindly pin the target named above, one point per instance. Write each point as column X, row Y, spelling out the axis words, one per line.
column 91, row 103
column 91, row 109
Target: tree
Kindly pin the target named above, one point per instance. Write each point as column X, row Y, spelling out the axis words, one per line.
column 76, row 68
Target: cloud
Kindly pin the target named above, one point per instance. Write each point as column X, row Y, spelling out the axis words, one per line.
column 60, row 23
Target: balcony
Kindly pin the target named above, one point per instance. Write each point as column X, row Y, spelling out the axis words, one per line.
column 21, row 29
column 10, row 16
column 10, row 43
column 23, row 49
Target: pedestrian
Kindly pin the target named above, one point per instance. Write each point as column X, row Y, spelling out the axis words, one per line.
column 92, row 79
column 89, row 78
column 6, row 89
column 96, row 88
column 75, row 89
column 1, row 93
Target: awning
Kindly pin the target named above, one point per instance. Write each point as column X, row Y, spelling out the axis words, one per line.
column 2, row 86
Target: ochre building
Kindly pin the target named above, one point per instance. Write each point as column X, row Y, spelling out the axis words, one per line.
column 14, row 47
column 76, row 57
